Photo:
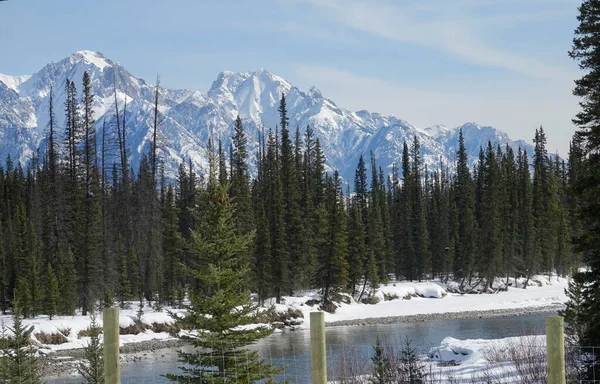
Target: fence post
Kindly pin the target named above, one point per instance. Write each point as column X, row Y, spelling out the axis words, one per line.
column 555, row 349
column 318, row 359
column 110, row 324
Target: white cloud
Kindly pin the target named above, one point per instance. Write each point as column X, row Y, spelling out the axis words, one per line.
column 516, row 112
column 454, row 27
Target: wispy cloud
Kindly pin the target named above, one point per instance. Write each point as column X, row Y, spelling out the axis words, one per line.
column 518, row 114
column 461, row 28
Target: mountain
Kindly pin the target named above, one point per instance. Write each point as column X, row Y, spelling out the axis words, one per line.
column 188, row 116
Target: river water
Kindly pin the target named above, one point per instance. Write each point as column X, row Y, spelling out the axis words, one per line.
column 354, row 343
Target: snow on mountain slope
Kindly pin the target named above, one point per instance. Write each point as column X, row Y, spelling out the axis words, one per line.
column 188, row 117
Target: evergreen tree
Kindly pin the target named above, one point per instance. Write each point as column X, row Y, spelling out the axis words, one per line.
column 526, row 238
column 419, row 216
column 223, row 274
column 276, row 217
column 172, row 248
column 89, row 220
column 357, row 251
column 375, row 235
column 18, row 357
column 380, row 373
column 332, row 271
column 51, row 294
column 407, row 253
column 465, row 205
column 490, row 224
column 586, row 46
column 92, row 368
column 240, row 180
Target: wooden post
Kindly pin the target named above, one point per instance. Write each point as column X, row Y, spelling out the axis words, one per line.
column 112, row 371
column 555, row 349
column 318, row 359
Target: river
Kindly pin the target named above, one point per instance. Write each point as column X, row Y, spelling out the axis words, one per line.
column 292, row 348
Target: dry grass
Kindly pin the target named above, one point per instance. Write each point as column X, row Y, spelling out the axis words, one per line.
column 527, row 354
column 289, row 318
column 350, row 367
column 51, row 338
column 134, row 329
column 87, row 333
column 390, row 297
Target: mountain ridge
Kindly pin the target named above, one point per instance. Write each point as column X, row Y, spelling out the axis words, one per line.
column 188, row 116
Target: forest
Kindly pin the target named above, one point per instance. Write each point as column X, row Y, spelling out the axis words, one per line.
column 81, row 228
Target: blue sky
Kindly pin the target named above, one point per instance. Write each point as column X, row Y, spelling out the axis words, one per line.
column 496, row 62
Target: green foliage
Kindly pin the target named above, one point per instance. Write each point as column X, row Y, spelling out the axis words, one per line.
column 220, row 303
column 410, row 369
column 380, row 373
column 51, row 298
column 19, row 363
column 586, row 49
column 92, row 367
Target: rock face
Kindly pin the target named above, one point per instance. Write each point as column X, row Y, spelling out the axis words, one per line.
column 188, row 117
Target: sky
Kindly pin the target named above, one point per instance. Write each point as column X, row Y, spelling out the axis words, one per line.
column 502, row 63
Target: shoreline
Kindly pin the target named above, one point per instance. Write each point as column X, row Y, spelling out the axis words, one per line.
column 65, row 361
column 421, row 318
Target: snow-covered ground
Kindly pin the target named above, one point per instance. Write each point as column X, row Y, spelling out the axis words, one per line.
column 409, row 298
column 509, row 360
column 433, row 298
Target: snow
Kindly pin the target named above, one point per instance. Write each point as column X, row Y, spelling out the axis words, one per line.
column 71, row 326
column 471, row 360
column 94, row 58
column 344, row 134
column 415, row 298
column 13, row 82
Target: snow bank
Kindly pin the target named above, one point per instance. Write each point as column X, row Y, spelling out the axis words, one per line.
column 478, row 359
column 409, row 290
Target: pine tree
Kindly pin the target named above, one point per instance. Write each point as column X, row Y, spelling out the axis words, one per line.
column 223, row 275
column 172, row 248
column 357, row 251
column 18, row 356
column 89, row 219
column 92, row 368
column 332, row 271
column 490, row 224
column 407, row 253
column 276, row 217
column 465, row 205
column 380, row 373
column 51, row 294
column 419, row 216
column 586, row 46
column 526, row 238
column 240, row 180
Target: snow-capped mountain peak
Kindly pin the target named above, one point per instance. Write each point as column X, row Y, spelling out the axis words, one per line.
column 189, row 115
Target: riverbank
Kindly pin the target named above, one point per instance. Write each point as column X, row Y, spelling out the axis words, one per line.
column 420, row 318
column 65, row 361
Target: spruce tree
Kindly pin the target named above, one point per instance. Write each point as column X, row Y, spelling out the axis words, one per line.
column 92, row 368
column 18, row 356
column 222, row 306
column 491, row 223
column 276, row 217
column 51, row 293
column 240, row 180
column 89, row 219
column 585, row 50
column 357, row 251
column 407, row 253
column 332, row 270
column 172, row 248
column 419, row 216
column 380, row 373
